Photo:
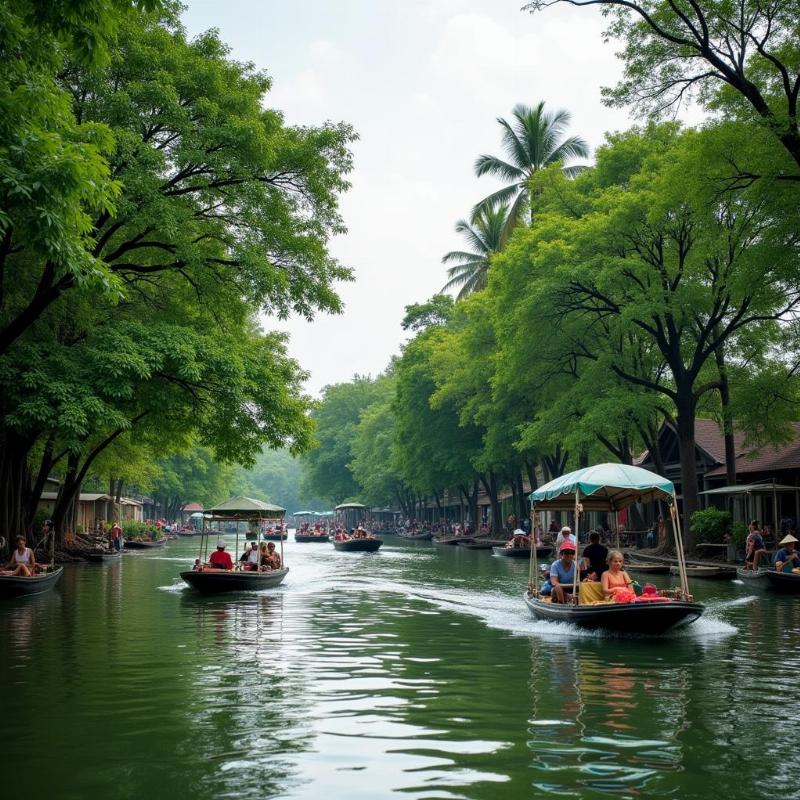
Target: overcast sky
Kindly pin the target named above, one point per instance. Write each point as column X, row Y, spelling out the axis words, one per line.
column 422, row 81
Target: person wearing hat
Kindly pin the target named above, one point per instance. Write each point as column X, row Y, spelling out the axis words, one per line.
column 565, row 535
column 562, row 573
column 116, row 536
column 219, row 558
column 787, row 557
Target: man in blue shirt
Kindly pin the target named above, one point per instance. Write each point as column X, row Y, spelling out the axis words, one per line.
column 787, row 557
column 562, row 573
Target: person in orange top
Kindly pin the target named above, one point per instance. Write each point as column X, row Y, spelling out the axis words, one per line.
column 219, row 558
column 614, row 580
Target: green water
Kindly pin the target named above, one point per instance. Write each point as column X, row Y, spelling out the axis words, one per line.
column 415, row 672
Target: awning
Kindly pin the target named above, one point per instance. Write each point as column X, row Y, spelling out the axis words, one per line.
column 345, row 506
column 603, row 487
column 752, row 488
column 244, row 508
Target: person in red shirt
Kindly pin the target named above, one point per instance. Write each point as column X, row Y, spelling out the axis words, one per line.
column 219, row 558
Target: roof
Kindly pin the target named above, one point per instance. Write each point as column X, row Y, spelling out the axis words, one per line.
column 344, row 506
column 602, row 487
column 769, row 458
column 245, row 507
column 192, row 507
column 752, row 488
column 93, row 497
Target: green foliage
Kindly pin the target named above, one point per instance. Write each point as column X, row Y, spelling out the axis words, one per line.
column 739, row 534
column 711, row 525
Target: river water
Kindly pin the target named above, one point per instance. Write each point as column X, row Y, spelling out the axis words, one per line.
column 414, row 672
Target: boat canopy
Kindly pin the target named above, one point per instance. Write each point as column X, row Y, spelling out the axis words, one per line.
column 603, row 487
column 304, row 514
column 244, row 508
column 344, row 506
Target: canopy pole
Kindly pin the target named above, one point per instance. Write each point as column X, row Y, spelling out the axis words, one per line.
column 676, row 526
column 280, row 533
column 533, row 566
column 578, row 509
column 616, row 526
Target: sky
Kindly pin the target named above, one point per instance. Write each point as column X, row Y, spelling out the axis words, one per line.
column 423, row 83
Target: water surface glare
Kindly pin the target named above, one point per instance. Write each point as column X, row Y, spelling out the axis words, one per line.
column 414, row 672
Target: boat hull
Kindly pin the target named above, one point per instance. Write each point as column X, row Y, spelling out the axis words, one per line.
column 216, row 581
column 417, row 537
column 274, row 537
column 646, row 618
column 521, row 552
column 650, row 569
column 98, row 557
column 130, row 545
column 22, row 587
column 786, row 582
column 709, row 573
column 358, row 545
column 298, row 537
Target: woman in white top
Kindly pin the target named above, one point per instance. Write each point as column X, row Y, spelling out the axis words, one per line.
column 22, row 560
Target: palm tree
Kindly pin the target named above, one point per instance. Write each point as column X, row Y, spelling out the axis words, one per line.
column 532, row 142
column 485, row 235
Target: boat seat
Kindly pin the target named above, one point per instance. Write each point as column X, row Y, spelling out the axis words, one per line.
column 591, row 593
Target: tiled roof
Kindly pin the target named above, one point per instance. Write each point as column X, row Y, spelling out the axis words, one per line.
column 193, row 507
column 769, row 458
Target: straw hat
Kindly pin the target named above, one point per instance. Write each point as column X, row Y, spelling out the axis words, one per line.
column 221, row 544
column 788, row 538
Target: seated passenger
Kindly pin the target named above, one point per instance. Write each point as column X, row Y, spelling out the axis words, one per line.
column 519, row 539
column 562, row 573
column 22, row 561
column 219, row 558
column 273, row 559
column 265, row 562
column 595, row 557
column 253, row 558
column 786, row 558
column 616, row 583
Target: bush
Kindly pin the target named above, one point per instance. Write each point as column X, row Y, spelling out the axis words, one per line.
column 739, row 535
column 711, row 525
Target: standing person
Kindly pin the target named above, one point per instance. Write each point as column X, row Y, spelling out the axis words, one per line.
column 754, row 547
column 116, row 536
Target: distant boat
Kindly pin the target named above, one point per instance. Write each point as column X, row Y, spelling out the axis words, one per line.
column 214, row 581
column 710, row 573
column 20, row 586
column 310, row 537
column 369, row 545
column 419, row 537
column 522, row 552
column 143, row 544
column 651, row 568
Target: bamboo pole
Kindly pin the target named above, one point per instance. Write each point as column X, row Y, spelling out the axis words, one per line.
column 533, row 564
column 578, row 509
column 676, row 526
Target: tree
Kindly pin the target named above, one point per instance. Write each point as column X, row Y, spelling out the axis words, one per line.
column 659, row 256
column 533, row 141
column 743, row 55
column 485, row 237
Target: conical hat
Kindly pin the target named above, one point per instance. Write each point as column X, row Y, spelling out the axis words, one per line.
column 788, row 538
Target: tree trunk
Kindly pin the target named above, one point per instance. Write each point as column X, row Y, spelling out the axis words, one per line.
column 727, row 417
column 686, row 445
column 15, row 485
column 490, row 485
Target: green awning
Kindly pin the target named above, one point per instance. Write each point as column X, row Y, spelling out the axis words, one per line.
column 603, row 487
column 304, row 514
column 244, row 508
column 345, row 506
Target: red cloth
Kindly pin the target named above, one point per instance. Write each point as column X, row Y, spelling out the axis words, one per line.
column 219, row 558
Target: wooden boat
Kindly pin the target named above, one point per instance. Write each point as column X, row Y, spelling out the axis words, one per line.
column 478, row 544
column 274, row 537
column 453, row 540
column 710, row 573
column 651, row 568
column 358, row 545
column 611, row 488
column 418, row 537
column 787, row 582
column 19, row 586
column 104, row 555
column 654, row 617
column 522, row 552
column 308, row 537
column 751, row 577
column 214, row 581
column 142, row 544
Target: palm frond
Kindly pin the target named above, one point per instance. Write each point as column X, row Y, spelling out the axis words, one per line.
column 574, row 147
column 491, row 165
column 500, row 197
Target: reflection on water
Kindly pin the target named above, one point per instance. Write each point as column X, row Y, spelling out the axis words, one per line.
column 413, row 671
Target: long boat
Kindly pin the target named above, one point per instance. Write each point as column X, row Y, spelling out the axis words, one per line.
column 709, row 573
column 141, row 544
column 480, row 544
column 275, row 537
column 358, row 545
column 417, row 537
column 651, row 568
column 787, row 582
column 611, row 488
column 214, row 581
column 21, row 586
column 104, row 555
column 522, row 552
column 310, row 537
column 653, row 617
column 453, row 539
